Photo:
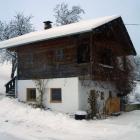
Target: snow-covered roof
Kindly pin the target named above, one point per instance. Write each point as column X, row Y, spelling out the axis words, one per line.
column 55, row 32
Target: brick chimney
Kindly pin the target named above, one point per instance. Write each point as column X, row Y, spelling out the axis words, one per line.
column 47, row 24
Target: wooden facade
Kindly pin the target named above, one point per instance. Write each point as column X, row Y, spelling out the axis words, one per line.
column 81, row 54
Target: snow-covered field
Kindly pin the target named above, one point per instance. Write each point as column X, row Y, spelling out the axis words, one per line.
column 19, row 121
column 5, row 70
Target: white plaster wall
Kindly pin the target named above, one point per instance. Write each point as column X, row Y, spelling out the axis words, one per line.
column 86, row 86
column 22, row 86
column 69, row 88
column 74, row 92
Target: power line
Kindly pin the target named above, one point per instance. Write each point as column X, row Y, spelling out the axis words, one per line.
column 133, row 24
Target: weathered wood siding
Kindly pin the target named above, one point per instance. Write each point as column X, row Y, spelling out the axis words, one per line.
column 58, row 58
column 40, row 60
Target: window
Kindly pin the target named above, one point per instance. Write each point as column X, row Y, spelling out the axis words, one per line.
column 102, row 95
column 106, row 57
column 83, row 53
column 55, row 95
column 59, row 54
column 31, row 94
column 110, row 94
column 26, row 60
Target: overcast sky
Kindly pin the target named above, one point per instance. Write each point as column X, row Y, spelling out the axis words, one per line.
column 43, row 10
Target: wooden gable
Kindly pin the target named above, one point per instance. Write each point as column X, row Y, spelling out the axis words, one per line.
column 75, row 55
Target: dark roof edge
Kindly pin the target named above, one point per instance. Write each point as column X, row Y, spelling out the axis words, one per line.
column 128, row 36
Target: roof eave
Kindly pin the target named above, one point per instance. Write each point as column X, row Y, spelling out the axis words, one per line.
column 72, row 34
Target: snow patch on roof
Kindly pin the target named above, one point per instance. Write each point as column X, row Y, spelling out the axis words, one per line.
column 74, row 28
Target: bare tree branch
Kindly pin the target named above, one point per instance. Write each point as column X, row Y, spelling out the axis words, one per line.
column 64, row 15
column 17, row 26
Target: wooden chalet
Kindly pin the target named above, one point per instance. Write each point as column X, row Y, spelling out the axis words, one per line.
column 78, row 56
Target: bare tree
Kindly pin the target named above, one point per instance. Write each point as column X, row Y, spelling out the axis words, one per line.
column 124, row 80
column 4, row 31
column 64, row 15
column 20, row 25
column 41, row 87
column 92, row 105
column 137, row 67
column 17, row 26
column 121, row 77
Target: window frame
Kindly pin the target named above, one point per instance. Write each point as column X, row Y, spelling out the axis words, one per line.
column 55, row 101
column 28, row 97
column 110, row 94
column 59, row 55
column 106, row 57
column 102, row 95
column 83, row 53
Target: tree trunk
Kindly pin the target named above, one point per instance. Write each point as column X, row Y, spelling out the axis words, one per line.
column 14, row 66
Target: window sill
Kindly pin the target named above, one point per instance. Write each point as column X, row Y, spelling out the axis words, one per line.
column 55, row 101
column 106, row 66
column 84, row 63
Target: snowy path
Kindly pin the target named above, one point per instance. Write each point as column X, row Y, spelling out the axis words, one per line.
column 21, row 122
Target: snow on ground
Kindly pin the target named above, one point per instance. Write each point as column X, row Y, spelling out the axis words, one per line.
column 19, row 121
column 5, row 70
column 134, row 97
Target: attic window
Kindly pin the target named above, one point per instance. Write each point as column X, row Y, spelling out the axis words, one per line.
column 83, row 53
column 31, row 94
column 105, row 56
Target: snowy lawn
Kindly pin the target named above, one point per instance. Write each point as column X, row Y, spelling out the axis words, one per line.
column 21, row 122
column 5, row 70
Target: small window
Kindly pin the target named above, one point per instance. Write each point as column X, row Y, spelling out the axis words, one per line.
column 83, row 53
column 59, row 54
column 31, row 94
column 56, row 95
column 102, row 95
column 110, row 94
column 106, row 57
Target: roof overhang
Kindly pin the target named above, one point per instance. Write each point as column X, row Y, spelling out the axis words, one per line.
column 56, row 32
column 63, row 31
